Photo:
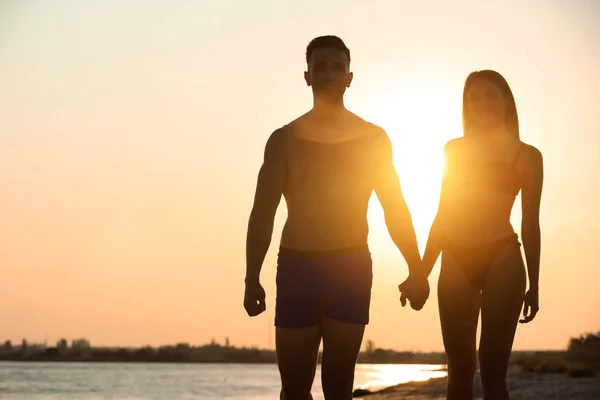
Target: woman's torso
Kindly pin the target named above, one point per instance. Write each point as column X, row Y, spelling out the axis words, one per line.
column 483, row 179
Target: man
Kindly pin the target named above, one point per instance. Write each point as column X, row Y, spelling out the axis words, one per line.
column 326, row 164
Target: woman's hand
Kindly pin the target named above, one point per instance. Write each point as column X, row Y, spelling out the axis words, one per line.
column 416, row 290
column 531, row 305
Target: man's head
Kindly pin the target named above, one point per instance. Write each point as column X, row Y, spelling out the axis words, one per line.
column 328, row 67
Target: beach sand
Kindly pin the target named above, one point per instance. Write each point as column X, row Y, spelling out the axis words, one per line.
column 521, row 385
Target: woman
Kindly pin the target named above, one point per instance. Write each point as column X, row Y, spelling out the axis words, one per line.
column 482, row 267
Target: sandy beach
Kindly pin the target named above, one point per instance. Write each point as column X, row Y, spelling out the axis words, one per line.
column 522, row 386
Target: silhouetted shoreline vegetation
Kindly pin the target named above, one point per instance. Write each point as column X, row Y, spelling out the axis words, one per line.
column 580, row 359
column 80, row 350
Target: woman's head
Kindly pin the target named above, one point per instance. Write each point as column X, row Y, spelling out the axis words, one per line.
column 487, row 103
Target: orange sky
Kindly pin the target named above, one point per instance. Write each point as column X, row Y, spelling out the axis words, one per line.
column 131, row 135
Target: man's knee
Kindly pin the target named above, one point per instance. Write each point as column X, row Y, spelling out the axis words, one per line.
column 337, row 381
column 297, row 351
column 297, row 380
column 337, row 388
column 295, row 389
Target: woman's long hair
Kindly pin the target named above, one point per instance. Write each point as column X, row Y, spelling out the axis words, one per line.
column 511, row 117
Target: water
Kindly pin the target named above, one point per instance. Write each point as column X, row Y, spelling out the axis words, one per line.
column 120, row 381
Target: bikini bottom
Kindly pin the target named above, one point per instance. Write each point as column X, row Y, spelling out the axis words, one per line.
column 476, row 261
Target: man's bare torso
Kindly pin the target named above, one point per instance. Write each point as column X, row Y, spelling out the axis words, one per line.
column 329, row 181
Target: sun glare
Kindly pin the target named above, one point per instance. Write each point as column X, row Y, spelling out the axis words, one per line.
column 419, row 123
column 376, row 377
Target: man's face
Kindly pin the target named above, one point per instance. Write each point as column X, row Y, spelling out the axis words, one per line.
column 328, row 73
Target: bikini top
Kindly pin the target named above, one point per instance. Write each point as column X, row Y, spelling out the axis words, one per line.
column 498, row 176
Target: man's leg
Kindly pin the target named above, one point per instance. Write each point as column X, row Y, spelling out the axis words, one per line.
column 297, row 352
column 341, row 345
column 297, row 316
column 346, row 288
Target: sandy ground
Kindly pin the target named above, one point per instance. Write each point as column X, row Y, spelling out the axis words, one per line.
column 521, row 385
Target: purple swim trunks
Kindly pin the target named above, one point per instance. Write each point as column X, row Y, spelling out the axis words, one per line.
column 324, row 284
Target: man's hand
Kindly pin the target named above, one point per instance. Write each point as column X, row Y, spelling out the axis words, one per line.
column 254, row 299
column 416, row 290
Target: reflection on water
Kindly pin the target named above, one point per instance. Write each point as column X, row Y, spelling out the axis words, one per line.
column 122, row 381
column 374, row 377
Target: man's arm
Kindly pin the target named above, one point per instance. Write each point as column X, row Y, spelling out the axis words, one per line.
column 269, row 188
column 397, row 216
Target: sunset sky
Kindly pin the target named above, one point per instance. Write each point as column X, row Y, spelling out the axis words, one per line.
column 131, row 134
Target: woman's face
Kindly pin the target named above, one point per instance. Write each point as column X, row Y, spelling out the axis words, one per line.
column 486, row 104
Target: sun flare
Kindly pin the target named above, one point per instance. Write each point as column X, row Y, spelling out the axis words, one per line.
column 419, row 122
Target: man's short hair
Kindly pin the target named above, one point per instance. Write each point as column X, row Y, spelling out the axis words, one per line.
column 326, row 41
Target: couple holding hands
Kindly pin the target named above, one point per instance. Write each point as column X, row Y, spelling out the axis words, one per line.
column 326, row 164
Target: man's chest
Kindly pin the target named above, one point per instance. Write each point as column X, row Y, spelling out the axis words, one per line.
column 333, row 165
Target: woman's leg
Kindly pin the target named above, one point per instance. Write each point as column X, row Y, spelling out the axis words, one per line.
column 459, row 303
column 501, row 304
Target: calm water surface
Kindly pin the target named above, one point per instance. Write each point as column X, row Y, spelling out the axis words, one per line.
column 120, row 381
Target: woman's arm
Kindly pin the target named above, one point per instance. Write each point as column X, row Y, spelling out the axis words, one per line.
column 533, row 178
column 435, row 239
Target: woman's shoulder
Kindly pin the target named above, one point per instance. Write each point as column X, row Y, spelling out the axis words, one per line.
column 530, row 150
column 530, row 157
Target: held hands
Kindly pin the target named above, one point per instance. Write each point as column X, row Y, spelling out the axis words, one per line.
column 254, row 299
column 416, row 289
column 531, row 306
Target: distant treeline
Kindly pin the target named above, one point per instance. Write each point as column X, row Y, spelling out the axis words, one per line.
column 581, row 359
column 582, row 354
column 81, row 350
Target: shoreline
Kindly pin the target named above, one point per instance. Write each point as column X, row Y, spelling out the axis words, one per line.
column 521, row 385
column 250, row 362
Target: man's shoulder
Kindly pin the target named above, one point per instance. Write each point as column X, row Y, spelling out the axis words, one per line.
column 283, row 134
column 376, row 134
column 367, row 126
column 279, row 136
column 277, row 143
column 358, row 128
